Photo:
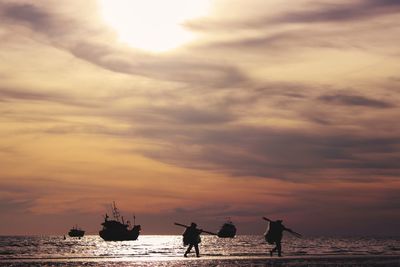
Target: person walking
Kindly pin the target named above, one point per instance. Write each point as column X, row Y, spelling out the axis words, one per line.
column 191, row 237
column 274, row 235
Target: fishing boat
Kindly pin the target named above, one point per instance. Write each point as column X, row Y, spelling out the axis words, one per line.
column 228, row 230
column 76, row 232
column 116, row 229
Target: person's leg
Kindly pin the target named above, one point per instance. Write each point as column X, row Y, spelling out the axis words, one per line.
column 279, row 247
column 271, row 252
column 196, row 247
column 188, row 250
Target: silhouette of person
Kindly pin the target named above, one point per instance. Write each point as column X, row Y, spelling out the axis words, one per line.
column 191, row 237
column 274, row 235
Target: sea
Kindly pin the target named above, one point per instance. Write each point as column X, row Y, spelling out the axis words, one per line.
column 167, row 250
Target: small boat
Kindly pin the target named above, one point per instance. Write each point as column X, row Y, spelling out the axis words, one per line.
column 117, row 230
column 228, row 230
column 76, row 232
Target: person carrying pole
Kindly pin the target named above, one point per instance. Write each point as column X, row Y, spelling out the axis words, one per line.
column 191, row 237
column 274, row 235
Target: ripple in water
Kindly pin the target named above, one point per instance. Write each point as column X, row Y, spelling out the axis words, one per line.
column 156, row 248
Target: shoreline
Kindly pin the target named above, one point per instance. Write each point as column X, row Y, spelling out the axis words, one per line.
column 133, row 258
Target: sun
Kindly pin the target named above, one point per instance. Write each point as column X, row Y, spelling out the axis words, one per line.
column 153, row 25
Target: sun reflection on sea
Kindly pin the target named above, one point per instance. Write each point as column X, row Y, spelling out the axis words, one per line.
column 151, row 248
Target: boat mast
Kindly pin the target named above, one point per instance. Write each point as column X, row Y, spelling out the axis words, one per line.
column 115, row 212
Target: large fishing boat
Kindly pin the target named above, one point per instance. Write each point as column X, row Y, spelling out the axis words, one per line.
column 228, row 229
column 116, row 229
column 76, row 232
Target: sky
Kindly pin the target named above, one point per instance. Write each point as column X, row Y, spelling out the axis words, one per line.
column 198, row 112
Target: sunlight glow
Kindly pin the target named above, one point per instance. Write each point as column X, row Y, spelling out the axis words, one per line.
column 153, row 25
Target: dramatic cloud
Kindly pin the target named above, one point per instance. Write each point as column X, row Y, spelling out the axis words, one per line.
column 281, row 154
column 61, row 30
column 277, row 108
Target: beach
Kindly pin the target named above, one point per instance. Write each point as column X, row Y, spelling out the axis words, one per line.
column 154, row 250
column 216, row 261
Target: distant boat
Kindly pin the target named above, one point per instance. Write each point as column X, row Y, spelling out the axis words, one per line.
column 117, row 230
column 228, row 230
column 76, row 232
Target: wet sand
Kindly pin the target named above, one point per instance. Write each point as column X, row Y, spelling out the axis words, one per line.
column 293, row 261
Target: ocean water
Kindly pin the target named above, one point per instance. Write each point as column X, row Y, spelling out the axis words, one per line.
column 167, row 250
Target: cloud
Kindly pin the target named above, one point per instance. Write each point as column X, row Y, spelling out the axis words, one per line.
column 299, row 26
column 273, row 153
column 182, row 114
column 31, row 95
column 101, row 47
column 15, row 198
column 13, row 205
column 303, row 12
column 210, row 132
column 354, row 100
column 165, row 68
column 341, row 12
column 307, row 12
column 36, row 17
column 27, row 13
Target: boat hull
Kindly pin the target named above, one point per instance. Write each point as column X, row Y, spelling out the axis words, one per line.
column 108, row 235
column 76, row 233
column 226, row 235
column 228, row 230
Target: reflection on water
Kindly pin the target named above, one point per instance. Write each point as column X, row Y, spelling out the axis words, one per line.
column 169, row 247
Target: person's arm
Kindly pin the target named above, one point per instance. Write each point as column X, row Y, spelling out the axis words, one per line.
column 293, row 232
column 185, row 232
column 265, row 218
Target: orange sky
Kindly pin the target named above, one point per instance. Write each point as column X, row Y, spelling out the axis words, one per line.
column 223, row 108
